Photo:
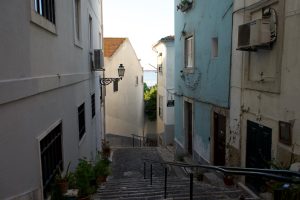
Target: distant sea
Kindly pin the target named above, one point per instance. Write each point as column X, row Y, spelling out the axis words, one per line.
column 150, row 77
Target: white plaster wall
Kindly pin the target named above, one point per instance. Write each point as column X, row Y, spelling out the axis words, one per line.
column 44, row 78
column 269, row 107
column 165, row 84
column 161, row 88
column 169, row 81
column 236, row 79
column 125, row 108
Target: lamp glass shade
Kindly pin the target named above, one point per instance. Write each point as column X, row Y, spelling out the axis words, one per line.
column 121, row 70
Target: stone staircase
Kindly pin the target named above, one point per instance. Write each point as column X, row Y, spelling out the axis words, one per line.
column 177, row 188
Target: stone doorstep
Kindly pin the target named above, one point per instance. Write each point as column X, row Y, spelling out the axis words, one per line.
column 71, row 194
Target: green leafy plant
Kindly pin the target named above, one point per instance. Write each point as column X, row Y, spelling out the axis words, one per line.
column 61, row 179
column 106, row 150
column 184, row 5
column 60, row 176
column 102, row 170
column 84, row 176
column 150, row 102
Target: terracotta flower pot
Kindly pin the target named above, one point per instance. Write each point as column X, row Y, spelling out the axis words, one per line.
column 228, row 180
column 101, row 179
column 84, row 198
column 63, row 186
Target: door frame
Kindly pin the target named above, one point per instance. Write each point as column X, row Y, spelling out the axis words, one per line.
column 225, row 113
column 187, row 100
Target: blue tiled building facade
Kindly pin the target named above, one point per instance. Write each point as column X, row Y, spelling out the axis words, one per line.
column 202, row 78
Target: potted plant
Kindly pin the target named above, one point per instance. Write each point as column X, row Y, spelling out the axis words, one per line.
column 185, row 5
column 102, row 170
column 106, row 149
column 228, row 180
column 84, row 176
column 61, row 179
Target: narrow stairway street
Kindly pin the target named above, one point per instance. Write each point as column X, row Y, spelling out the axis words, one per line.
column 127, row 180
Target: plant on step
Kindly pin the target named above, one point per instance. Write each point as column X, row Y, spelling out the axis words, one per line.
column 61, row 179
column 102, row 170
column 106, row 150
column 84, row 175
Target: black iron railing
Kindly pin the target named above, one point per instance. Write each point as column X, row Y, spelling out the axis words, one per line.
column 142, row 141
column 277, row 175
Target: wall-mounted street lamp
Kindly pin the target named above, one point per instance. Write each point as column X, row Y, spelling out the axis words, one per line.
column 121, row 72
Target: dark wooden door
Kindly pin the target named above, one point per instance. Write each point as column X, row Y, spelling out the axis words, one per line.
column 258, row 152
column 219, row 139
column 189, row 126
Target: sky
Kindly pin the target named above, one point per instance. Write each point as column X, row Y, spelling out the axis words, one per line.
column 144, row 22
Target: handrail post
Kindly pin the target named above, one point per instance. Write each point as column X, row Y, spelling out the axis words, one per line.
column 151, row 174
column 132, row 140
column 191, row 186
column 140, row 142
column 166, row 175
column 144, row 170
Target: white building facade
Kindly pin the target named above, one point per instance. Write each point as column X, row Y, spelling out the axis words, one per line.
column 165, row 89
column 124, row 100
column 265, row 89
column 49, row 97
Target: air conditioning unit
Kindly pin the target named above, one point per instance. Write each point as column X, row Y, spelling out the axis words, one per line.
column 98, row 60
column 254, row 35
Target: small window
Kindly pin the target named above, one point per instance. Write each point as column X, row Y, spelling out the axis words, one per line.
column 77, row 15
column 45, row 8
column 81, row 121
column 116, row 86
column 160, row 106
column 93, row 105
column 285, row 133
column 51, row 157
column 159, row 62
column 214, row 47
column 142, row 79
column 136, row 80
column 189, row 52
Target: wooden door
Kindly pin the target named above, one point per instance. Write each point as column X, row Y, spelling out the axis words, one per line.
column 219, row 139
column 189, row 127
column 258, row 152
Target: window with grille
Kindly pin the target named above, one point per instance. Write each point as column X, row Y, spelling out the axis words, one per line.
column 285, row 133
column 45, row 8
column 81, row 121
column 116, row 86
column 51, row 157
column 189, row 52
column 93, row 105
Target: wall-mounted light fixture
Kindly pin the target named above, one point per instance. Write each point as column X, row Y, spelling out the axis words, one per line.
column 121, row 72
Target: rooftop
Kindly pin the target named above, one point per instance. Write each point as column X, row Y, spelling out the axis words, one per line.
column 111, row 45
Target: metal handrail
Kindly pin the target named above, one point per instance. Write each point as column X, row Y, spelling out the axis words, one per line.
column 142, row 140
column 278, row 175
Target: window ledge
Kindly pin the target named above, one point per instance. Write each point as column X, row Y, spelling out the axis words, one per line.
column 82, row 139
column 43, row 22
column 189, row 70
column 78, row 43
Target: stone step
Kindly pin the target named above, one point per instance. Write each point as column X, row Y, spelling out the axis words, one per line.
column 177, row 188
